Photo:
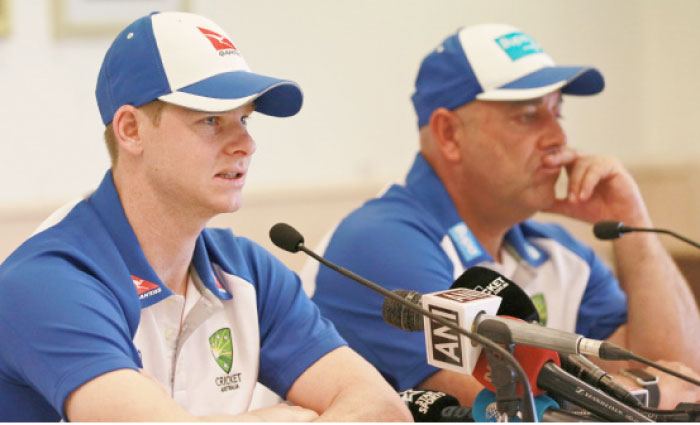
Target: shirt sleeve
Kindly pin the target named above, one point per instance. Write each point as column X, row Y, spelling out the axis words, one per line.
column 60, row 327
column 396, row 254
column 293, row 335
column 603, row 307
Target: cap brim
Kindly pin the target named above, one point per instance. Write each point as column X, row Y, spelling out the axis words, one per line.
column 570, row 79
column 230, row 90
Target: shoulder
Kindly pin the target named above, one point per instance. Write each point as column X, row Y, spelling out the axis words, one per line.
column 394, row 216
column 74, row 262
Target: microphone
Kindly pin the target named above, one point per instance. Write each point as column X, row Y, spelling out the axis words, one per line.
column 429, row 405
column 451, row 350
column 606, row 230
column 542, row 369
column 484, row 410
column 515, row 303
column 554, row 379
column 505, row 331
column 286, row 237
column 589, row 372
column 532, row 360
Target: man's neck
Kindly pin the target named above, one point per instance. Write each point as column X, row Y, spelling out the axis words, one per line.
column 490, row 235
column 167, row 235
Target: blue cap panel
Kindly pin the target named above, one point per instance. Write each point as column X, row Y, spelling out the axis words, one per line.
column 132, row 72
column 445, row 79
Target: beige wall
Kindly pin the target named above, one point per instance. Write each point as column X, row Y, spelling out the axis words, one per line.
column 356, row 60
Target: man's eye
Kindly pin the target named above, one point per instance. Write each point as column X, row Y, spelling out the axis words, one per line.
column 528, row 117
column 211, row 120
column 244, row 120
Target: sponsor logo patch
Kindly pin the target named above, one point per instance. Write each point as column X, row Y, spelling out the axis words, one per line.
column 220, row 287
column 494, row 287
column 541, row 306
column 463, row 295
column 518, row 45
column 446, row 342
column 465, row 241
column 222, row 44
column 222, row 348
column 145, row 288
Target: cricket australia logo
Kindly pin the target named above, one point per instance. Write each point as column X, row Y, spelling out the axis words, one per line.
column 222, row 348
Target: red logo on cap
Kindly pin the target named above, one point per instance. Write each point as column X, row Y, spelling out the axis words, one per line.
column 217, row 40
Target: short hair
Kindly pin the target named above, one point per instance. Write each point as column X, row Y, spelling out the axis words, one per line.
column 153, row 111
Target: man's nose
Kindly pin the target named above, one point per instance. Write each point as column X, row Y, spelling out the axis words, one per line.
column 554, row 136
column 241, row 143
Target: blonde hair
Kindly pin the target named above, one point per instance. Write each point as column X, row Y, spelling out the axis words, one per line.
column 152, row 110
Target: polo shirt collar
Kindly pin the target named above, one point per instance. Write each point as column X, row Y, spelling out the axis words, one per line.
column 107, row 204
column 429, row 190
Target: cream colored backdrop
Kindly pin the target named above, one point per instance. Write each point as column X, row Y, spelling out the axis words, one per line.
column 356, row 61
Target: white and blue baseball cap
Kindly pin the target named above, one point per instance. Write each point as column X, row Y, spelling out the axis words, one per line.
column 186, row 60
column 494, row 62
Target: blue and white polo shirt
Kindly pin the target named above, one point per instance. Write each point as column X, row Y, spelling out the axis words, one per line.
column 412, row 237
column 80, row 299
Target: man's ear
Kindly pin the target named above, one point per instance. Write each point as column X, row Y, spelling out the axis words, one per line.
column 126, row 129
column 446, row 130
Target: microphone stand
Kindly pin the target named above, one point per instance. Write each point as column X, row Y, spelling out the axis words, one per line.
column 528, row 401
column 606, row 230
column 503, row 380
column 625, row 229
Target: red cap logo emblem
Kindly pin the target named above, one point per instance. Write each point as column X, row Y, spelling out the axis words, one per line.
column 217, row 40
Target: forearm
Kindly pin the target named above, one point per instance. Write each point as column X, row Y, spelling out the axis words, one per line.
column 356, row 404
column 342, row 386
column 663, row 317
column 464, row 387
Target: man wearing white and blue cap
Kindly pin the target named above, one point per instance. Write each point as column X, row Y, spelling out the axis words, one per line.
column 488, row 101
column 129, row 309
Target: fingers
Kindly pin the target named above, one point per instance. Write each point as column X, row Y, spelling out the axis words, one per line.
column 560, row 157
column 585, row 173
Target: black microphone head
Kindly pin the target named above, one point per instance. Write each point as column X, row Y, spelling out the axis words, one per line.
column 400, row 316
column 515, row 301
column 606, row 230
column 286, row 237
column 427, row 405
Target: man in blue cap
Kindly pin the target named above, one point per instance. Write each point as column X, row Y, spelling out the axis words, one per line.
column 488, row 101
column 129, row 309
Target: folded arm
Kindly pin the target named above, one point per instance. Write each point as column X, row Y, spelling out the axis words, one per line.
column 127, row 395
column 343, row 386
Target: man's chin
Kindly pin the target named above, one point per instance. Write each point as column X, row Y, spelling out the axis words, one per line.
column 543, row 201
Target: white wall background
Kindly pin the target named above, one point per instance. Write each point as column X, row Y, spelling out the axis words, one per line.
column 356, row 61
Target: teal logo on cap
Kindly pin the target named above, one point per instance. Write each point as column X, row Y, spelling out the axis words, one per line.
column 518, row 45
